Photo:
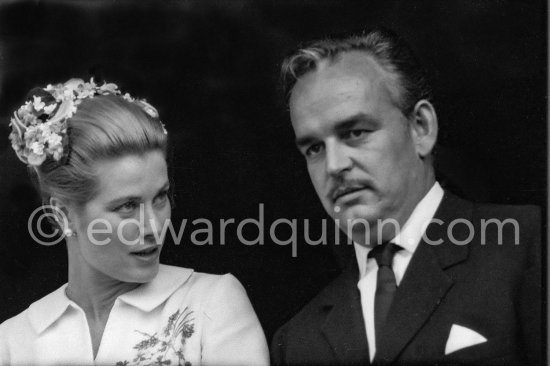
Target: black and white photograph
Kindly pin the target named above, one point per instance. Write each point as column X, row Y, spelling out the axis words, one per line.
column 273, row 182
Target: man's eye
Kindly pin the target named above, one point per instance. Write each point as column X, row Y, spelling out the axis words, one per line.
column 313, row 150
column 162, row 197
column 355, row 134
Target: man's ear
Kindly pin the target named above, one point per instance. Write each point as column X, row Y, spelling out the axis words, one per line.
column 424, row 127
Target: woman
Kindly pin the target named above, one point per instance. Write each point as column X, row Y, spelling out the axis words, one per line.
column 100, row 161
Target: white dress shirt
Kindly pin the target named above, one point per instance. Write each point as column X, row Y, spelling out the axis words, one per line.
column 180, row 318
column 408, row 238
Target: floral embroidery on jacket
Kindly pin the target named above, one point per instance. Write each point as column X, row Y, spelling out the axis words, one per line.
column 155, row 350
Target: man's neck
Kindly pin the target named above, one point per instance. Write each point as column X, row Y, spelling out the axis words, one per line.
column 391, row 226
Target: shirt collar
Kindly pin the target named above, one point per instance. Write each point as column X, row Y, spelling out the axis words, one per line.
column 146, row 297
column 151, row 294
column 48, row 309
column 411, row 234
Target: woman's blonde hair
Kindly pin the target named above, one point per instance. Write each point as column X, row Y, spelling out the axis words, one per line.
column 103, row 127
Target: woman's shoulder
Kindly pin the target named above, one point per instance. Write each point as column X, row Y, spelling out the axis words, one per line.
column 197, row 278
column 204, row 285
column 37, row 315
column 18, row 321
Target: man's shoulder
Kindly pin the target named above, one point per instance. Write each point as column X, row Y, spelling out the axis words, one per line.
column 456, row 204
column 503, row 234
column 455, row 211
column 302, row 340
column 317, row 308
column 523, row 213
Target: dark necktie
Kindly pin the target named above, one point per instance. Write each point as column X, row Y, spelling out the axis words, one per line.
column 385, row 283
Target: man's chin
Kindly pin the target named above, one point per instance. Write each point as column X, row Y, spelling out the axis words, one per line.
column 357, row 214
column 362, row 222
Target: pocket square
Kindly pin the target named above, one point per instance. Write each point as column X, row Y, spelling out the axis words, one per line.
column 461, row 337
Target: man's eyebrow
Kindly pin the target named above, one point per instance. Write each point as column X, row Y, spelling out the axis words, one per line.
column 353, row 121
column 343, row 125
column 165, row 187
column 303, row 141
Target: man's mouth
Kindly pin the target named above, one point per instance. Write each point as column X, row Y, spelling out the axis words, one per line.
column 345, row 190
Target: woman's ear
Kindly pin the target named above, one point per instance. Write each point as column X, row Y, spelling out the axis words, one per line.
column 424, row 127
column 61, row 214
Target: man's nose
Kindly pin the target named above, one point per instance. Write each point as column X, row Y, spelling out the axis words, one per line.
column 337, row 158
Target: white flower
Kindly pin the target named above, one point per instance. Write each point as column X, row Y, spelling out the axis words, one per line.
column 29, row 119
column 128, row 97
column 68, row 94
column 35, row 160
column 37, row 148
column 53, row 140
column 38, row 104
column 31, row 134
column 16, row 141
column 148, row 108
column 109, row 88
column 56, row 91
column 45, row 129
column 65, row 110
column 58, row 153
column 25, row 108
column 34, row 139
column 49, row 109
column 86, row 93
column 73, row 84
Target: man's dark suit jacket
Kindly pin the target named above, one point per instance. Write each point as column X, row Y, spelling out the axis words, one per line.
column 494, row 290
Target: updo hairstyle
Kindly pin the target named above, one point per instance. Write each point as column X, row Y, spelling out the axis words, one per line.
column 104, row 127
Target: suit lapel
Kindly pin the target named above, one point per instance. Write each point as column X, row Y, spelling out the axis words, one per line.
column 344, row 327
column 421, row 290
column 425, row 282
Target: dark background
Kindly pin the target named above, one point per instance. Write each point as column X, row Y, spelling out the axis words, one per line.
column 211, row 68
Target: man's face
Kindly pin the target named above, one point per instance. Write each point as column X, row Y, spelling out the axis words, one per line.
column 359, row 147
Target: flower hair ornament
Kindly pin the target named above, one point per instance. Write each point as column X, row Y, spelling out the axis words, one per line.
column 39, row 127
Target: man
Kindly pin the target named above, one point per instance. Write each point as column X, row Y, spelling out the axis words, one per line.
column 464, row 289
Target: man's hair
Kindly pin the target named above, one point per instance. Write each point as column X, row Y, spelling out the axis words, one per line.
column 386, row 47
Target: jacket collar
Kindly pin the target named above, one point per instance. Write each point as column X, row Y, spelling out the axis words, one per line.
column 426, row 282
column 344, row 327
column 146, row 297
column 423, row 287
column 411, row 233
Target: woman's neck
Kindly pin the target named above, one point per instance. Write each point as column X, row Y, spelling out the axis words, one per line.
column 92, row 290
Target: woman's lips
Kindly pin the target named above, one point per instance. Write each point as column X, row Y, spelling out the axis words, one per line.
column 147, row 253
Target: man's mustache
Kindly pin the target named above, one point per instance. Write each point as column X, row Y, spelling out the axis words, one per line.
column 347, row 186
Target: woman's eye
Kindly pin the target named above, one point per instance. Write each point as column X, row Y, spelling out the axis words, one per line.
column 127, row 207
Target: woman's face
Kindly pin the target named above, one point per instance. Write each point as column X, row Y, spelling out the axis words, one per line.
column 118, row 232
